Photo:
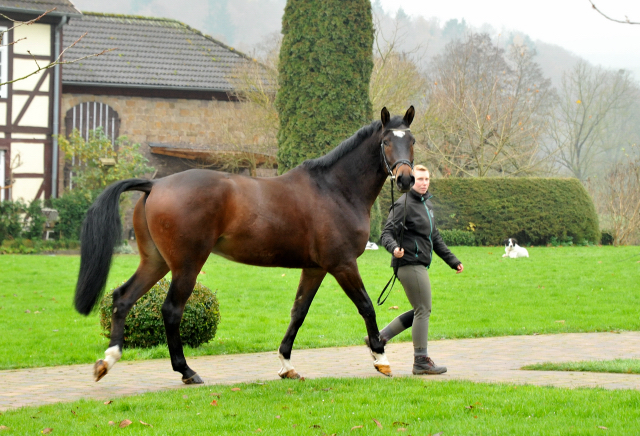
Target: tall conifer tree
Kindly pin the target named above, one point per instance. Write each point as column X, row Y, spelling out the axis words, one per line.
column 325, row 67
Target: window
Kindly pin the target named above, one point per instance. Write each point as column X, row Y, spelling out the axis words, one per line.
column 4, row 62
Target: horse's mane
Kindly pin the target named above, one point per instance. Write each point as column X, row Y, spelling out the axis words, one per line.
column 350, row 144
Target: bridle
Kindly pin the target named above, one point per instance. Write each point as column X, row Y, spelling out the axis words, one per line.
column 399, row 162
column 390, row 169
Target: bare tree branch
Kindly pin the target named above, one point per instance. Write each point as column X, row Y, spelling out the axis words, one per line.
column 58, row 60
column 625, row 21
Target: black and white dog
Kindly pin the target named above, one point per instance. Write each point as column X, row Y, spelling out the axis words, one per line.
column 513, row 250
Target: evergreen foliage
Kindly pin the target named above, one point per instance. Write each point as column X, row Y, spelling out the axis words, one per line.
column 325, row 68
column 144, row 326
column 532, row 210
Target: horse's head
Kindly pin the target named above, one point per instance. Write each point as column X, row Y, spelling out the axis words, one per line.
column 397, row 149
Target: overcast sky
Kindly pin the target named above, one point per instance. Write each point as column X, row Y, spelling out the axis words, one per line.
column 571, row 24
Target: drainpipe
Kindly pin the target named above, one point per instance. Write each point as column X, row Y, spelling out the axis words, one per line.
column 56, row 108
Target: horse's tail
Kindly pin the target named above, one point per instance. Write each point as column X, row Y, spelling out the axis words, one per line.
column 101, row 231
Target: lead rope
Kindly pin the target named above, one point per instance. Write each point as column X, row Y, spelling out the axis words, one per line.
column 393, row 278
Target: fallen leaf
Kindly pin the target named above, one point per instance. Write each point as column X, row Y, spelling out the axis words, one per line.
column 202, row 272
column 357, row 426
column 468, row 407
column 258, row 430
column 37, row 311
column 560, row 321
column 327, row 389
column 282, row 275
column 301, row 379
column 314, row 426
column 125, row 423
column 295, row 425
column 400, row 423
column 214, row 403
column 377, row 422
column 278, row 416
column 437, row 434
column 108, row 402
column 235, row 389
column 144, row 423
column 27, row 311
column 603, row 428
column 112, row 423
column 215, row 394
column 73, row 411
column 475, row 417
column 185, row 396
column 402, row 429
column 47, row 430
column 4, row 427
column 394, row 308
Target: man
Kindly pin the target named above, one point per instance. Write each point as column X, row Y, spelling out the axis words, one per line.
column 412, row 259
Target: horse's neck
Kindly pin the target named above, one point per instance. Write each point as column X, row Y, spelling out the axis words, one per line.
column 360, row 173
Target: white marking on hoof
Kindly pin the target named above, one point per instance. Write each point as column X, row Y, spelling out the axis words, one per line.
column 381, row 364
column 287, row 369
column 112, row 355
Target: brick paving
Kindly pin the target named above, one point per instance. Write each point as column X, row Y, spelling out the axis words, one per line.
column 480, row 360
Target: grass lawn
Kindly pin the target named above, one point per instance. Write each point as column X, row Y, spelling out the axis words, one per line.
column 403, row 405
column 570, row 289
column 623, row 366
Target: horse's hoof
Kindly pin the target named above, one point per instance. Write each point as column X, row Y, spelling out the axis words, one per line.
column 100, row 369
column 383, row 369
column 292, row 374
column 193, row 380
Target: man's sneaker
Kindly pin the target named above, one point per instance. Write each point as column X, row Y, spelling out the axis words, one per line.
column 424, row 365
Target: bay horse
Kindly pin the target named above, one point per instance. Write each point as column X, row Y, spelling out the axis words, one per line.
column 314, row 217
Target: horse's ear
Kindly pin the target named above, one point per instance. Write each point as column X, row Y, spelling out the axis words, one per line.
column 408, row 117
column 385, row 116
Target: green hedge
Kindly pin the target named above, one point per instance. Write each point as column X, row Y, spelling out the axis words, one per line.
column 144, row 326
column 458, row 237
column 533, row 210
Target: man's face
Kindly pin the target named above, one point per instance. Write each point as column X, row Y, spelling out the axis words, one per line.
column 422, row 182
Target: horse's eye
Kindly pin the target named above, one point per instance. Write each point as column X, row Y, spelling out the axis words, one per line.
column 386, row 143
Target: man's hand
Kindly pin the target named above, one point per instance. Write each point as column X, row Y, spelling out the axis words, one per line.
column 398, row 252
column 459, row 269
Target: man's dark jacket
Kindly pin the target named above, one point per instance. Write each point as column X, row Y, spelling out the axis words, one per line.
column 421, row 237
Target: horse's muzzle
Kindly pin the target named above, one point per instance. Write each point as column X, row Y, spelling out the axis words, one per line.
column 404, row 182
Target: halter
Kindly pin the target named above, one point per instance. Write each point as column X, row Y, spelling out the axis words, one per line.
column 399, row 162
column 390, row 169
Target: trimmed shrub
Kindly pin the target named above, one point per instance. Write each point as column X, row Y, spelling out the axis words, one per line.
column 19, row 220
column 533, row 210
column 607, row 237
column 72, row 207
column 457, row 237
column 28, row 246
column 144, row 326
column 324, row 72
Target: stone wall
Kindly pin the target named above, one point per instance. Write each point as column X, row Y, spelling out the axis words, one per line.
column 146, row 120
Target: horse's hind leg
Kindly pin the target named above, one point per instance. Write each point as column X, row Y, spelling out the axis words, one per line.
column 124, row 298
column 182, row 285
column 310, row 281
column 349, row 279
column 151, row 269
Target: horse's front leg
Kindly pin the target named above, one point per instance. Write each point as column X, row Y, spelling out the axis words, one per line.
column 348, row 277
column 310, row 281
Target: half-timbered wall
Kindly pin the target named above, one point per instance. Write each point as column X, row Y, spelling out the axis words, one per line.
column 26, row 112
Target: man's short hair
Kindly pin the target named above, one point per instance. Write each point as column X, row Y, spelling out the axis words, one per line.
column 420, row 168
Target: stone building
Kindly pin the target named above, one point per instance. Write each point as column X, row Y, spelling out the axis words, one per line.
column 165, row 86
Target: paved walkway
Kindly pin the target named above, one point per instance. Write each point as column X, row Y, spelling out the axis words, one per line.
column 480, row 360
